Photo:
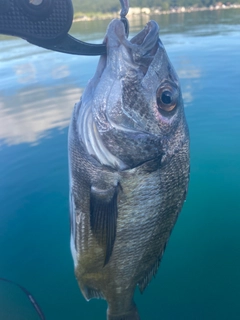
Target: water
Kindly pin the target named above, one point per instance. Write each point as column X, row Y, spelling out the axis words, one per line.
column 199, row 276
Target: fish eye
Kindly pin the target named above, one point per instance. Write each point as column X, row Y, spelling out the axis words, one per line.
column 167, row 97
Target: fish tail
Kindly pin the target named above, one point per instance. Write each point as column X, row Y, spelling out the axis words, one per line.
column 128, row 315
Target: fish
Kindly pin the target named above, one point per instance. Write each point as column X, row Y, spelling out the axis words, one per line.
column 128, row 149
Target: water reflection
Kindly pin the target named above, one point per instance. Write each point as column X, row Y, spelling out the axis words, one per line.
column 28, row 115
column 38, row 90
column 188, row 73
column 25, row 73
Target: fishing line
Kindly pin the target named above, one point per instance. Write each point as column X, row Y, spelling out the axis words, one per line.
column 30, row 297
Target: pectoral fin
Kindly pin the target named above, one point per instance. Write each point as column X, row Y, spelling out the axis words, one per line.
column 103, row 217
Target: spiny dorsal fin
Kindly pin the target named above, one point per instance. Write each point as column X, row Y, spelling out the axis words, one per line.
column 103, row 217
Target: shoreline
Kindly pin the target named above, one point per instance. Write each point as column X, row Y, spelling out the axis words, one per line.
column 136, row 11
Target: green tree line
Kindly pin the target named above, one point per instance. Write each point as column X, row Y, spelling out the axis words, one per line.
column 104, row 6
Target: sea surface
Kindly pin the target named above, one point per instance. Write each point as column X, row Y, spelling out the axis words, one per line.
column 199, row 277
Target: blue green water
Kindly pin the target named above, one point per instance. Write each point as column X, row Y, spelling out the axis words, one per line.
column 199, row 277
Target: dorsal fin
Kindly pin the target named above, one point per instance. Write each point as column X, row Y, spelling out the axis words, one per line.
column 103, row 217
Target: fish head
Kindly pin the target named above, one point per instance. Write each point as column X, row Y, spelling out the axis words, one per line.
column 135, row 98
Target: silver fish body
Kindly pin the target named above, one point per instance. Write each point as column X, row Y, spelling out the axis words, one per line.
column 129, row 168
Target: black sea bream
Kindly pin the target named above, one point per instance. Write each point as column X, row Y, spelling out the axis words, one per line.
column 129, row 168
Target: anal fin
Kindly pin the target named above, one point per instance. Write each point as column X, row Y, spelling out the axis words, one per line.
column 90, row 293
column 103, row 217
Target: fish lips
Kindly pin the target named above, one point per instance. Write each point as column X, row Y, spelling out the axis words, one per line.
column 146, row 39
column 139, row 51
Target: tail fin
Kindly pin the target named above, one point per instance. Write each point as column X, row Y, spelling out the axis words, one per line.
column 128, row 315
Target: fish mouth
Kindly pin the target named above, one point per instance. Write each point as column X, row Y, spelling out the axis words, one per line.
column 148, row 37
column 139, row 51
column 144, row 43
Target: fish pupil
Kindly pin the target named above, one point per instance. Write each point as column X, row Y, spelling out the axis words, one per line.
column 166, row 97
